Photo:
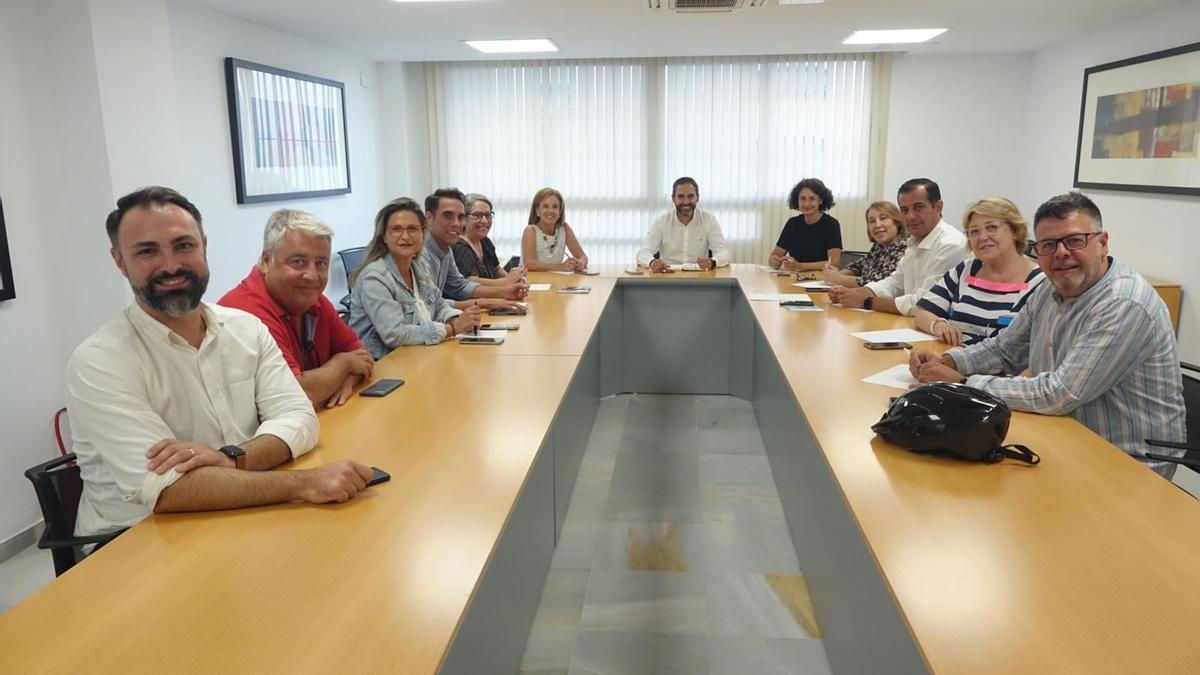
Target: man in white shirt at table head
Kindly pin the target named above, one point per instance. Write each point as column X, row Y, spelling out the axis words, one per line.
column 685, row 235
column 177, row 405
column 934, row 246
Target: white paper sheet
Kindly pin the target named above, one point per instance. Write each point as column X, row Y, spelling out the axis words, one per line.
column 539, row 287
column 812, row 285
column 896, row 377
column 895, row 335
column 777, row 297
column 793, row 308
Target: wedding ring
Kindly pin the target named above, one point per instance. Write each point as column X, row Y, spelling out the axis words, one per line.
column 193, row 451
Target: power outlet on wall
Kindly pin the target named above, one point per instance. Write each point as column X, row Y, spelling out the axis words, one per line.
column 364, row 79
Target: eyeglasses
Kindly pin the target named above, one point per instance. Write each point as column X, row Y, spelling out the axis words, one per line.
column 1072, row 242
column 988, row 228
column 397, row 232
column 480, row 215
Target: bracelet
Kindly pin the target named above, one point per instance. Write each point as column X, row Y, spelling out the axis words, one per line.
column 449, row 330
column 935, row 323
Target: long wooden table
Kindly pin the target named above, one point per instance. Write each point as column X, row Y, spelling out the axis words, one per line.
column 1086, row 563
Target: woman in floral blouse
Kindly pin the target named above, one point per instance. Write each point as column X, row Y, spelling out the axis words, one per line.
column 884, row 228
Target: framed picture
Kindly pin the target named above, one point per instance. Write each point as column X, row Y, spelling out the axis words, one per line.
column 7, row 292
column 288, row 131
column 1139, row 124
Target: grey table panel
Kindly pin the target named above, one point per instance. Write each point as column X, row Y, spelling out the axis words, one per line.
column 689, row 337
column 492, row 636
column 861, row 626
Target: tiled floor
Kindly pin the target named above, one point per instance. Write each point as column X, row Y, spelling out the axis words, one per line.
column 675, row 556
column 23, row 574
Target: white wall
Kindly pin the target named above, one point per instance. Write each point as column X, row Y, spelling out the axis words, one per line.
column 958, row 120
column 1157, row 234
column 200, row 40
column 404, row 137
column 55, row 188
column 114, row 95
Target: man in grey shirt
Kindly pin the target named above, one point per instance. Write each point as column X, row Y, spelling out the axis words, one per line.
column 1097, row 341
column 446, row 211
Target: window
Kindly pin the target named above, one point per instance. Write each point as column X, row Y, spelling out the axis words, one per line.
column 613, row 135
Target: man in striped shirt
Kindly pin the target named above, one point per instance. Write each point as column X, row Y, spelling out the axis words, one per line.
column 1097, row 341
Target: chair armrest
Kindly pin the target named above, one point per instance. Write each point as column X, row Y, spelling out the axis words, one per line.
column 1191, row 463
column 1172, row 444
column 47, row 542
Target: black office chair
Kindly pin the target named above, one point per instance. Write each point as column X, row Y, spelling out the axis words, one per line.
column 1191, row 401
column 351, row 259
column 58, row 487
column 849, row 257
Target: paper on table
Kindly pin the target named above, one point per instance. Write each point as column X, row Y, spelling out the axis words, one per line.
column 793, row 308
column 778, row 297
column 687, row 267
column 561, row 272
column 897, row 376
column 485, row 333
column 812, row 285
column 895, row 335
column 539, row 287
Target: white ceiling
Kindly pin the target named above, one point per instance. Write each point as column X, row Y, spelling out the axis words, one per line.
column 384, row 30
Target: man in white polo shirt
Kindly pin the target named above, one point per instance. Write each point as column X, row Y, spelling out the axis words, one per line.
column 177, row 405
column 934, row 246
column 685, row 235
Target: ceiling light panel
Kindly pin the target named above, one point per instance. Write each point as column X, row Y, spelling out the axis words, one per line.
column 513, row 46
column 893, row 37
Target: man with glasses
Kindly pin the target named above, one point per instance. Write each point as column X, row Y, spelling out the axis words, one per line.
column 934, row 248
column 446, row 210
column 285, row 290
column 1097, row 341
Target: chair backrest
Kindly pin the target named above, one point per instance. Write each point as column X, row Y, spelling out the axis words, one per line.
column 58, row 487
column 1191, row 401
column 351, row 259
column 852, row 256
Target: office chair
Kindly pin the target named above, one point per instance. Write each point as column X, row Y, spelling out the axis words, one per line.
column 58, row 487
column 351, row 259
column 849, row 257
column 1191, row 401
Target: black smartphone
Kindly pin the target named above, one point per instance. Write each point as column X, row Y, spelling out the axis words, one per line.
column 381, row 388
column 506, row 312
column 887, row 345
column 481, row 340
column 795, row 303
column 378, row 476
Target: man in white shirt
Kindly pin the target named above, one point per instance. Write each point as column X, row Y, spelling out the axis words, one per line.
column 688, row 234
column 177, row 405
column 934, row 246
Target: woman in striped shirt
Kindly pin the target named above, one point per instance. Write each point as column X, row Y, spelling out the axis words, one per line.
column 982, row 294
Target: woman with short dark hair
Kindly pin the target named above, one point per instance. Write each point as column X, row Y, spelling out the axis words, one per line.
column 813, row 239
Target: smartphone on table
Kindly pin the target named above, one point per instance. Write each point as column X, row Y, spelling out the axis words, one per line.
column 887, row 345
column 381, row 388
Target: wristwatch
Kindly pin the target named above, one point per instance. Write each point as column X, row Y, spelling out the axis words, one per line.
column 868, row 302
column 235, row 453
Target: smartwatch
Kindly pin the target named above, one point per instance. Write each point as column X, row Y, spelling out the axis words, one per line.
column 868, row 302
column 235, row 453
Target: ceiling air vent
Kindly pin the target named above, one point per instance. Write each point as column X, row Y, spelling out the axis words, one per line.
column 690, row 6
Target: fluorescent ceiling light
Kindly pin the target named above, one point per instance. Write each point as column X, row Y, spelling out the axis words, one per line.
column 512, row 46
column 892, row 37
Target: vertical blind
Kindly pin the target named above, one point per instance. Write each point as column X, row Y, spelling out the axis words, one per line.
column 612, row 135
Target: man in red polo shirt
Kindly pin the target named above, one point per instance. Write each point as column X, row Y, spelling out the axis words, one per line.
column 285, row 290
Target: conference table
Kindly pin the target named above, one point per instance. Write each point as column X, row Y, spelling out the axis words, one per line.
column 1086, row 563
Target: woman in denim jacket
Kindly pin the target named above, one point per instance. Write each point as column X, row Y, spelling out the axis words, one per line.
column 393, row 301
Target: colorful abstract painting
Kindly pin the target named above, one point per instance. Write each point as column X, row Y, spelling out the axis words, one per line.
column 1163, row 122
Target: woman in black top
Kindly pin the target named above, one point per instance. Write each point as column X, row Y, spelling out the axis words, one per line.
column 812, row 239
column 474, row 253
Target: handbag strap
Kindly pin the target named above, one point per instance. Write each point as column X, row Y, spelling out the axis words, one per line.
column 1018, row 452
